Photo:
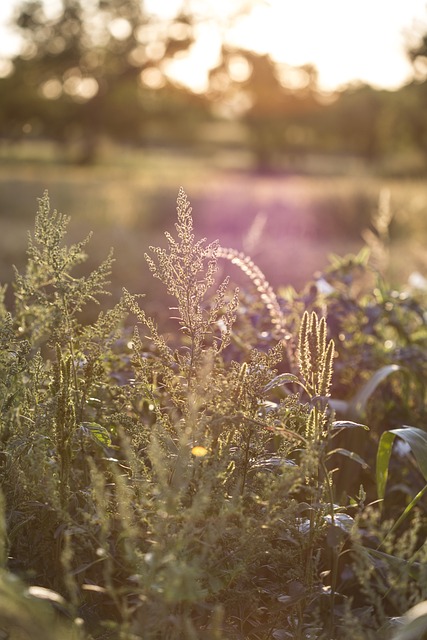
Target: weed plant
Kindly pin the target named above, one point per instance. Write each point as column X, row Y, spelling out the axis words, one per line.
column 201, row 484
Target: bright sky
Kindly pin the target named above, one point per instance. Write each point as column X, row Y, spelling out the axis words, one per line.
column 347, row 40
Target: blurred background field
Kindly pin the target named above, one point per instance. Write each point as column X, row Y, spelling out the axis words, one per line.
column 104, row 107
column 288, row 224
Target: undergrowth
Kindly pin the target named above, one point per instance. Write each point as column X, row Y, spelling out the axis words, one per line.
column 218, row 481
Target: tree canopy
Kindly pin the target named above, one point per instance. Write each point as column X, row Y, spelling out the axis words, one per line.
column 100, row 68
column 90, row 69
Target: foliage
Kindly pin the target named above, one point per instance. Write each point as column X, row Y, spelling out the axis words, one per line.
column 262, row 98
column 79, row 67
column 186, row 485
column 86, row 73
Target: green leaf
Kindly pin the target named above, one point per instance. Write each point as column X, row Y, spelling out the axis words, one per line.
column 46, row 594
column 274, row 463
column 283, row 378
column 348, row 424
column 98, row 433
column 357, row 405
column 27, row 611
column 340, row 406
column 417, row 439
column 341, row 520
column 413, row 436
column 398, row 564
column 407, row 511
column 363, row 256
column 414, row 623
column 334, row 536
column 349, row 454
column 383, row 457
column 360, row 400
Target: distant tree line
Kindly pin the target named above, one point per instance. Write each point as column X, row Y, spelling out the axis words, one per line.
column 98, row 70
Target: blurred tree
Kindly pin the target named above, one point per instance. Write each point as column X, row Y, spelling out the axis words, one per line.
column 418, row 55
column 89, row 70
column 416, row 94
column 353, row 121
column 270, row 99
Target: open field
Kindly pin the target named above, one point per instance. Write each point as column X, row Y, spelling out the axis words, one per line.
column 287, row 224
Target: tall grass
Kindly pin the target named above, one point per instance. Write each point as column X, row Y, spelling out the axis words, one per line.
column 216, row 481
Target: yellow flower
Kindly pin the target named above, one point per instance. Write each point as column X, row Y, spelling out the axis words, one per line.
column 199, row 452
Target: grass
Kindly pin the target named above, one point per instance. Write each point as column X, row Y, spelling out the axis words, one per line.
column 289, row 224
column 218, row 481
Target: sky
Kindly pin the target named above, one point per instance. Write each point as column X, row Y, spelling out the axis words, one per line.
column 347, row 40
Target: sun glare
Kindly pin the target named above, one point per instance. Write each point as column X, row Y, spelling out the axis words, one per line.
column 346, row 41
column 191, row 68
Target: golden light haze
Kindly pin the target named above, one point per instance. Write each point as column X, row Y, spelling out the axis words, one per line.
column 346, row 40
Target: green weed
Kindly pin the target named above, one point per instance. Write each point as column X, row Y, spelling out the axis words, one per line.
column 200, row 483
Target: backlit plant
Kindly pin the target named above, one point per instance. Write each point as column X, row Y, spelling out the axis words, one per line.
column 190, row 484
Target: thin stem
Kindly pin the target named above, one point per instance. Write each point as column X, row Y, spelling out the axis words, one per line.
column 246, row 464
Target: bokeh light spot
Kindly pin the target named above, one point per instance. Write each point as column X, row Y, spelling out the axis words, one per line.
column 120, row 28
column 51, row 89
column 152, row 78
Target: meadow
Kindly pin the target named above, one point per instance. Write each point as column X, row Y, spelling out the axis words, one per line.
column 201, row 462
column 288, row 223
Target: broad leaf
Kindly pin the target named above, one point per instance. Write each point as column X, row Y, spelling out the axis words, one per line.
column 357, row 405
column 360, row 400
column 417, row 439
column 413, row 436
column 414, row 623
column 341, row 520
